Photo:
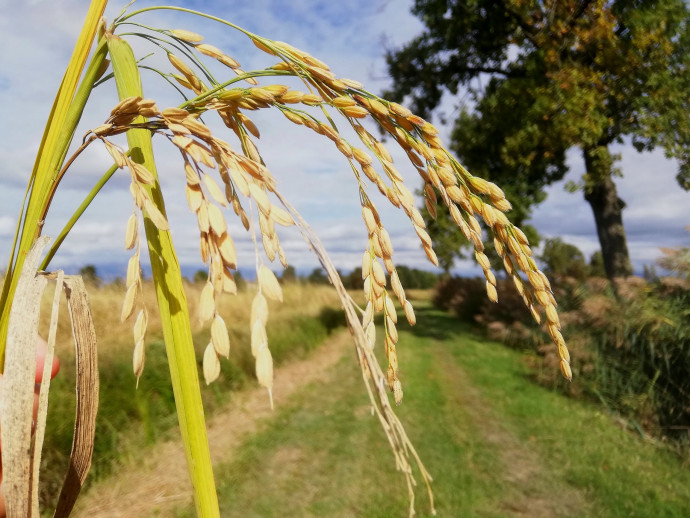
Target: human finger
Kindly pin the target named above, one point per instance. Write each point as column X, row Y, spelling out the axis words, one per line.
column 41, row 347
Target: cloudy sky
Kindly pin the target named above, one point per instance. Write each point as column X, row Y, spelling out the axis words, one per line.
column 37, row 36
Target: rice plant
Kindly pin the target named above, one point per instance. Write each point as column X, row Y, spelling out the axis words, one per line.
column 220, row 175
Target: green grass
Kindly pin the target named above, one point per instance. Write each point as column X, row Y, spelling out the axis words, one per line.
column 131, row 418
column 496, row 444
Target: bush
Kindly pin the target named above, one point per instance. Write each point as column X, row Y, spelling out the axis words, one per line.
column 629, row 342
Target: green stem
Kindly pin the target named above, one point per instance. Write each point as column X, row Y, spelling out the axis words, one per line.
column 75, row 217
column 184, row 10
column 241, row 77
column 172, row 302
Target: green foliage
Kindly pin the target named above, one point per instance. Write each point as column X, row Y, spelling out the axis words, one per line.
column 563, row 259
column 132, row 417
column 240, row 281
column 416, row 279
column 629, row 341
column 545, row 77
column 596, row 265
column 200, row 276
column 317, row 276
column 289, row 274
column 490, row 426
column 354, row 280
column 90, row 275
column 637, row 350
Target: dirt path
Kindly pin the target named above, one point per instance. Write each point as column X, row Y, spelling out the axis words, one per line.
column 532, row 491
column 159, row 482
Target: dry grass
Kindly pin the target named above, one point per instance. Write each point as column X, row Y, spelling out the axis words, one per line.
column 114, row 335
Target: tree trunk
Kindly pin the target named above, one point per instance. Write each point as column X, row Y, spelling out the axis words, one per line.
column 601, row 194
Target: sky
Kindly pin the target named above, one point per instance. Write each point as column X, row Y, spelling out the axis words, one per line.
column 37, row 37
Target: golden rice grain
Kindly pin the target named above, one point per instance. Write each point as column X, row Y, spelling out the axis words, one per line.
column 194, row 197
column 311, row 99
column 219, row 336
column 258, row 337
column 259, row 310
column 370, row 334
column 211, row 364
column 370, row 219
column 491, row 292
column 138, row 358
column 269, row 284
column 140, row 172
column 535, row 314
column 128, row 302
column 131, row 235
column 133, row 270
column 263, row 47
column 344, row 147
column 431, row 255
column 409, row 313
column 155, row 215
column 264, row 370
column 378, row 274
column 483, row 260
column 216, row 220
column 180, row 65
column 368, row 315
column 362, row 157
column 202, row 218
column 342, row 101
column 397, row 392
column 117, row 155
column 207, row 303
column 391, row 330
column 209, row 50
column 191, row 37
column 140, row 325
column 291, row 97
column 215, row 191
column 542, row 297
column 233, row 64
column 229, row 284
column 565, row 370
column 390, row 308
column 503, row 205
column 260, row 197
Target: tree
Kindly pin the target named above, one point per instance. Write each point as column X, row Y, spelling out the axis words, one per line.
column 90, row 275
column 317, row 277
column 200, row 276
column 548, row 76
column 563, row 259
column 289, row 275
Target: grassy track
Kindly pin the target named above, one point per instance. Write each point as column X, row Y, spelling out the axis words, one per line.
column 497, row 445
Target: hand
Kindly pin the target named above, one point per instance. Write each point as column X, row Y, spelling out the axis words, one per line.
column 41, row 346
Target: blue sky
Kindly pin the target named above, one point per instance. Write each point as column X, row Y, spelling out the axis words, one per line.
column 37, row 37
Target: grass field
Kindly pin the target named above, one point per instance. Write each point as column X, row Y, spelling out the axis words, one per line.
column 130, row 418
column 496, row 443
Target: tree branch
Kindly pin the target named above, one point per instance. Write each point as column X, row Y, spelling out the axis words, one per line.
column 578, row 12
column 528, row 29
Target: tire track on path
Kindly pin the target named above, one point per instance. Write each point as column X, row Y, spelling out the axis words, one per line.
column 159, row 482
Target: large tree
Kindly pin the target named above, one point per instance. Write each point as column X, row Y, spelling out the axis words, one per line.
column 546, row 76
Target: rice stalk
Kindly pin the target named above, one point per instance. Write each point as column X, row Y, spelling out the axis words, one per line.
column 172, row 303
column 64, row 116
column 218, row 176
